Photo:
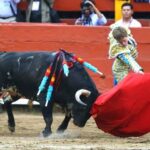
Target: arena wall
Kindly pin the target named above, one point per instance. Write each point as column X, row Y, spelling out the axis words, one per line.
column 90, row 43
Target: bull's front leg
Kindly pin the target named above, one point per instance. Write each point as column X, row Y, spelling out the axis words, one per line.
column 1, row 108
column 63, row 126
column 11, row 120
column 48, row 118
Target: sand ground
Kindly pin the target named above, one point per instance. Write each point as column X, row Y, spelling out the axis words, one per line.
column 29, row 125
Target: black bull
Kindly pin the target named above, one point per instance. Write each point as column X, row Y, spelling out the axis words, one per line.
column 22, row 72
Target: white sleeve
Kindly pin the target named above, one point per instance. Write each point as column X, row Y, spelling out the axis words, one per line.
column 102, row 20
column 16, row 1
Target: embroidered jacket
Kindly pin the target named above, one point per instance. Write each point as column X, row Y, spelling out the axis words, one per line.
column 125, row 57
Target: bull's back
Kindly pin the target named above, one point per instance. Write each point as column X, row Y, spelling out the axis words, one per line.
column 26, row 69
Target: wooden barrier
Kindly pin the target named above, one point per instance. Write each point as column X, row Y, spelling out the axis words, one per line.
column 90, row 43
column 74, row 5
column 103, row 5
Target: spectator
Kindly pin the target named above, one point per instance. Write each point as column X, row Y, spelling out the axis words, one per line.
column 127, row 20
column 8, row 10
column 123, row 50
column 90, row 16
column 41, row 11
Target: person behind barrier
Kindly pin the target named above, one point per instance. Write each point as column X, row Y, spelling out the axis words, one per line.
column 41, row 11
column 90, row 16
column 123, row 50
column 127, row 19
column 8, row 10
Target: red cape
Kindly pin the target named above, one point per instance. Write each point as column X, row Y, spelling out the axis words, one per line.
column 125, row 109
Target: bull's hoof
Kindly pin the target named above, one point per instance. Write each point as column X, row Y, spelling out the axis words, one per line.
column 60, row 131
column 11, row 129
column 46, row 133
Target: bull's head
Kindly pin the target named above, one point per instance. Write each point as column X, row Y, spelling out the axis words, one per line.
column 80, row 87
column 81, row 109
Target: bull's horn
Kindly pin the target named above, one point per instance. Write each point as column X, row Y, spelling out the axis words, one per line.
column 79, row 93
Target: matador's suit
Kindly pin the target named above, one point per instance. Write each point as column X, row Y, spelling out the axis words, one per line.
column 124, row 57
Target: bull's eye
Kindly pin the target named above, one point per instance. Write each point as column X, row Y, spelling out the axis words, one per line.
column 70, row 64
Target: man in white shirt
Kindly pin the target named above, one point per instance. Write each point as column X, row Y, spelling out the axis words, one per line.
column 127, row 20
column 8, row 10
column 91, row 16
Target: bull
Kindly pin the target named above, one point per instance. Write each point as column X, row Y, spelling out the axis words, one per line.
column 47, row 77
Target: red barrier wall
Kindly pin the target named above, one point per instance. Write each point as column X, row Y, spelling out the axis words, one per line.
column 90, row 43
column 74, row 5
column 103, row 5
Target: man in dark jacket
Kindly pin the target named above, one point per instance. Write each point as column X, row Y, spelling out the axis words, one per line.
column 41, row 11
